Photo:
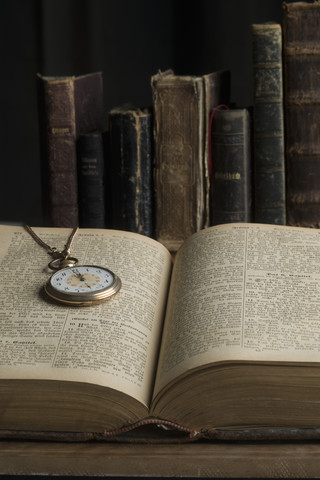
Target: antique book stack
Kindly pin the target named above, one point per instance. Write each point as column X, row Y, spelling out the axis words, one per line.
column 169, row 182
column 68, row 107
column 301, row 50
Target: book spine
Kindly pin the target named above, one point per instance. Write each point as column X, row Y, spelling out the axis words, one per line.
column 268, row 124
column 91, row 186
column 179, row 144
column 130, row 171
column 231, row 194
column 60, row 152
column 89, row 104
column 301, row 50
column 217, row 92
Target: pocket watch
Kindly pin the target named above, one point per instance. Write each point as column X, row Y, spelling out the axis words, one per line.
column 82, row 285
column 77, row 285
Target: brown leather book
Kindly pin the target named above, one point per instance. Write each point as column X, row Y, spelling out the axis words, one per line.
column 68, row 107
column 301, row 49
column 182, row 106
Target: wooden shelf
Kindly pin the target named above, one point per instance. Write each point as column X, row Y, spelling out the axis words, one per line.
column 223, row 460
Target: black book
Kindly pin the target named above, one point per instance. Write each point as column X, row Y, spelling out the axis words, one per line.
column 231, row 182
column 268, row 124
column 130, row 169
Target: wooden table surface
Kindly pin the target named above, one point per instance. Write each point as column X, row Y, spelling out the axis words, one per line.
column 215, row 460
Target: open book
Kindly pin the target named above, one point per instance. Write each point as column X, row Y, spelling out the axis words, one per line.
column 229, row 338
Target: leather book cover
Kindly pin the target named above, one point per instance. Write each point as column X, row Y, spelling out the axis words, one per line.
column 231, row 187
column 68, row 107
column 91, row 180
column 182, row 107
column 301, row 51
column 217, row 86
column 268, row 124
column 130, row 169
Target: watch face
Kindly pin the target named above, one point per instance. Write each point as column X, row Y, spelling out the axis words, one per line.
column 82, row 285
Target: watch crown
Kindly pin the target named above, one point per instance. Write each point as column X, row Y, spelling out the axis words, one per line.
column 68, row 262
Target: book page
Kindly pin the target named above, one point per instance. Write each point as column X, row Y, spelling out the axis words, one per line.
column 243, row 292
column 114, row 343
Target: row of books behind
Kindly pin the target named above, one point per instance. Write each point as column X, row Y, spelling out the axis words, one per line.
column 192, row 159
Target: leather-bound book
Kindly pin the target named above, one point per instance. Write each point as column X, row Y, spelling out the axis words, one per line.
column 231, row 186
column 301, row 50
column 182, row 106
column 130, row 169
column 68, row 107
column 268, row 124
column 91, row 180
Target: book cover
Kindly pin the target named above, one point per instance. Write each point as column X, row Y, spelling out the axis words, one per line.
column 91, row 180
column 182, row 106
column 68, row 107
column 301, row 53
column 130, row 169
column 231, row 184
column 268, row 124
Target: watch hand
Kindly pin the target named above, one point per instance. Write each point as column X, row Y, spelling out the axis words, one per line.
column 79, row 275
column 82, row 279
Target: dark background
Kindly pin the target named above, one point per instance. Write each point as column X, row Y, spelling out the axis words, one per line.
column 128, row 40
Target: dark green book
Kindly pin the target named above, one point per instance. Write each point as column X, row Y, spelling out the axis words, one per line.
column 91, row 180
column 231, row 183
column 268, row 124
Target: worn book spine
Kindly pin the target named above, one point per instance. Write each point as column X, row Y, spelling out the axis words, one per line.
column 181, row 108
column 301, row 51
column 69, row 106
column 59, row 154
column 231, row 186
column 217, row 87
column 91, row 180
column 268, row 124
column 130, row 169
